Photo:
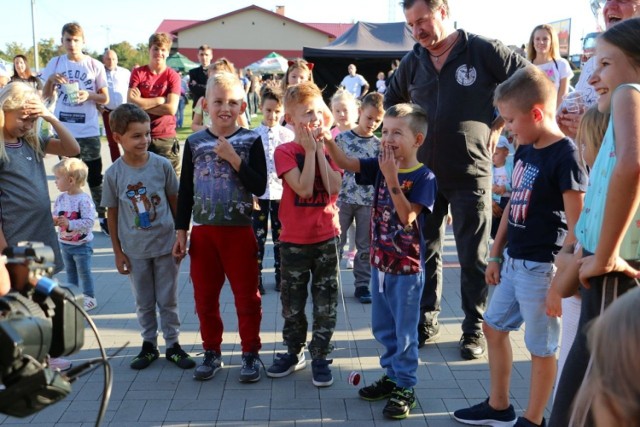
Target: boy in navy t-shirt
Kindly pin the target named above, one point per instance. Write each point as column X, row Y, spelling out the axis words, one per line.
column 404, row 193
column 548, row 185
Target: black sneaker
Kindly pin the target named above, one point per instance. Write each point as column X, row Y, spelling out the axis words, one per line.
column 523, row 422
column 472, row 346
column 177, row 355
column 286, row 363
column 250, row 371
column 363, row 294
column 261, row 288
column 211, row 364
column 379, row 390
column 401, row 402
column 148, row 354
column 428, row 333
column 104, row 225
column 321, row 372
column 484, row 415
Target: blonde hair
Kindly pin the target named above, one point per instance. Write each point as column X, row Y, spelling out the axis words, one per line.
column 300, row 93
column 13, row 97
column 527, row 87
column 74, row 168
column 591, row 130
column 345, row 96
column 221, row 65
column 224, row 80
column 554, row 48
column 614, row 349
column 296, row 64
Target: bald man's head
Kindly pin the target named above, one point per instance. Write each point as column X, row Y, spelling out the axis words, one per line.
column 110, row 60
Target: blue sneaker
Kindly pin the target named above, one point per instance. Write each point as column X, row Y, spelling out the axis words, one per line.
column 285, row 364
column 484, row 415
column 321, row 372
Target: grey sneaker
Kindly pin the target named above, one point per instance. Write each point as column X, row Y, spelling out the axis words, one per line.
column 286, row 363
column 250, row 371
column 211, row 364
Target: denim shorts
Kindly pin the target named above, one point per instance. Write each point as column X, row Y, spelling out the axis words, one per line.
column 519, row 298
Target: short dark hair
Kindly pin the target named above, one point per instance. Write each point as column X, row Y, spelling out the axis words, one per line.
column 204, row 47
column 432, row 4
column 415, row 116
column 124, row 115
column 272, row 93
column 73, row 28
column 373, row 99
column 525, row 88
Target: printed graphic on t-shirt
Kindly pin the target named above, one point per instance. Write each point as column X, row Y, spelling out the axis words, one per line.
column 71, row 235
column 395, row 248
column 524, row 175
column 319, row 197
column 218, row 190
column 142, row 205
column 67, row 117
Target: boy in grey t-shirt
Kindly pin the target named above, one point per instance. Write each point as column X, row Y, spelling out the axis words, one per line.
column 140, row 193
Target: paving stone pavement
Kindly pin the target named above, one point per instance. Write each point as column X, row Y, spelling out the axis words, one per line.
column 164, row 395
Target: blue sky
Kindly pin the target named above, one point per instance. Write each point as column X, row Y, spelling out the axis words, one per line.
column 134, row 20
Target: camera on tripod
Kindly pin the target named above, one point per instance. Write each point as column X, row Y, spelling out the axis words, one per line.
column 38, row 317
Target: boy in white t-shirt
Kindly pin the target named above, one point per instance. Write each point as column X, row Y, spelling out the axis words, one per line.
column 80, row 83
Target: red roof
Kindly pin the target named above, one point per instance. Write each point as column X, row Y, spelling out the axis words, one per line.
column 244, row 9
column 171, row 25
column 336, row 29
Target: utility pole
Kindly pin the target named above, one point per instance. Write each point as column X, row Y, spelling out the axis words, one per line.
column 108, row 30
column 36, row 56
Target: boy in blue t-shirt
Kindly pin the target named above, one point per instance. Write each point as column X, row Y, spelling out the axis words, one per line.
column 404, row 193
column 548, row 184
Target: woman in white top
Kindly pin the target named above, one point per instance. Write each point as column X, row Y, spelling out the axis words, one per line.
column 544, row 52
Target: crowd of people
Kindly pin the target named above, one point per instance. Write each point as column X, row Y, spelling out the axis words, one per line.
column 540, row 186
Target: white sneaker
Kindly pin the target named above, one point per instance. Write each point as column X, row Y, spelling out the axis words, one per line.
column 89, row 303
column 59, row 364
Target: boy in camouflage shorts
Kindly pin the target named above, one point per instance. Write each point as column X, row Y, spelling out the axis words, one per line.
column 308, row 239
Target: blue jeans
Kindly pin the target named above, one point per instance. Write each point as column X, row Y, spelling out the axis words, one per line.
column 395, row 313
column 77, row 263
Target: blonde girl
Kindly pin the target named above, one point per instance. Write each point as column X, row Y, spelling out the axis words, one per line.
column 591, row 130
column 544, row 52
column 609, row 225
column 25, row 206
column 344, row 108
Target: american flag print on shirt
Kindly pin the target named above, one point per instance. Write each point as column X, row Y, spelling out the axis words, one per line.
column 524, row 175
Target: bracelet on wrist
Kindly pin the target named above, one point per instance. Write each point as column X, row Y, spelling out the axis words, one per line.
column 497, row 259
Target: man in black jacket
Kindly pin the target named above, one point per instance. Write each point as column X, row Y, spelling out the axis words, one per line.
column 198, row 76
column 452, row 74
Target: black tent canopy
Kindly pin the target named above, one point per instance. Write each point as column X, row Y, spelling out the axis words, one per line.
column 370, row 46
